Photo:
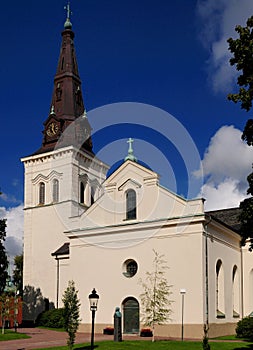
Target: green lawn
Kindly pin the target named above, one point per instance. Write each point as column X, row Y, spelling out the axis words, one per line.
column 11, row 335
column 159, row 345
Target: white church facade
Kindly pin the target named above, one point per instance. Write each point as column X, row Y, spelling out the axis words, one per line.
column 100, row 231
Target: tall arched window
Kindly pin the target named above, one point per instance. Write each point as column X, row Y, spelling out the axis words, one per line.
column 82, row 188
column 55, row 191
column 92, row 195
column 130, row 205
column 236, row 292
column 41, row 193
column 85, row 193
column 220, row 297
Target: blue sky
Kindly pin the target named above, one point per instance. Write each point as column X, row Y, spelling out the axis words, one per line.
column 168, row 54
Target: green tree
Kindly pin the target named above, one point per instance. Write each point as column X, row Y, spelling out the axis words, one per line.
column 155, row 299
column 18, row 273
column 71, row 312
column 242, row 58
column 242, row 51
column 7, row 309
column 3, row 256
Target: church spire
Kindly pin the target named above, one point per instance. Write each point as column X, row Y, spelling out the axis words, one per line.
column 67, row 101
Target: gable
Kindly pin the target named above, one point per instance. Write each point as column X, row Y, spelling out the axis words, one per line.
column 153, row 202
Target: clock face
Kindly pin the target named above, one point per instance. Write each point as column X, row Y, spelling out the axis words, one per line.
column 52, row 129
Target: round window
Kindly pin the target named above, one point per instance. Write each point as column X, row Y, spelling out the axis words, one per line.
column 130, row 268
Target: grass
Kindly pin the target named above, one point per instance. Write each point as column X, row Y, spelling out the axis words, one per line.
column 159, row 345
column 229, row 337
column 11, row 335
column 53, row 329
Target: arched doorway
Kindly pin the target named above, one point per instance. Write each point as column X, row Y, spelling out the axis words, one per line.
column 131, row 313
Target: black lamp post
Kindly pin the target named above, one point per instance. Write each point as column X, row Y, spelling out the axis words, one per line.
column 93, row 298
column 182, row 292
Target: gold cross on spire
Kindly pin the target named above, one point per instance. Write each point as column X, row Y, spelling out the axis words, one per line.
column 68, row 24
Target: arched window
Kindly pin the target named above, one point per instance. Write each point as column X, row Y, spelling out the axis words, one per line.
column 82, row 188
column 92, row 195
column 236, row 292
column 131, row 315
column 130, row 205
column 41, row 193
column 220, row 297
column 85, row 191
column 55, row 191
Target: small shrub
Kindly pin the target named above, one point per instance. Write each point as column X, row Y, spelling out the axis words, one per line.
column 51, row 318
column 244, row 328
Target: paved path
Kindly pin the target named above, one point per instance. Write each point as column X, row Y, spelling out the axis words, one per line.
column 42, row 338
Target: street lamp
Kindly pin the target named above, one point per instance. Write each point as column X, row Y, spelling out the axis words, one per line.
column 182, row 292
column 93, row 298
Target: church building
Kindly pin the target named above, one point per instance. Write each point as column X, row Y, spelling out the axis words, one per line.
column 100, row 228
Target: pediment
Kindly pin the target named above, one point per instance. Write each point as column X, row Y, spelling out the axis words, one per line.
column 129, row 183
column 133, row 170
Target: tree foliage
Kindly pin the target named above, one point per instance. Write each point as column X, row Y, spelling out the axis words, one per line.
column 8, row 309
column 242, row 50
column 246, row 216
column 3, row 256
column 155, row 299
column 18, row 273
column 244, row 328
column 71, row 312
column 53, row 318
column 242, row 58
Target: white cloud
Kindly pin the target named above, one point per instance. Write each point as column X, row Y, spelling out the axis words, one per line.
column 219, row 18
column 225, row 195
column 227, row 163
column 10, row 198
column 14, row 230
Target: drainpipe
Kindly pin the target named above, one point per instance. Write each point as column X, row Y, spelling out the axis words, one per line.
column 57, row 280
column 242, row 291
column 207, row 274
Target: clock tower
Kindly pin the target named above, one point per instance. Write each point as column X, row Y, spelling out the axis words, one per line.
column 62, row 178
column 67, row 101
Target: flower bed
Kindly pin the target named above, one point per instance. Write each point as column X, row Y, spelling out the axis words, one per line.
column 108, row 330
column 146, row 332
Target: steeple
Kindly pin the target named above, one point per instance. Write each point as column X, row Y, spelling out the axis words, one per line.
column 67, row 101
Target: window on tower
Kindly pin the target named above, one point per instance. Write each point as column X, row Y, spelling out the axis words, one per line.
column 41, row 193
column 92, row 197
column 62, row 63
column 130, row 205
column 55, row 191
column 82, row 188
